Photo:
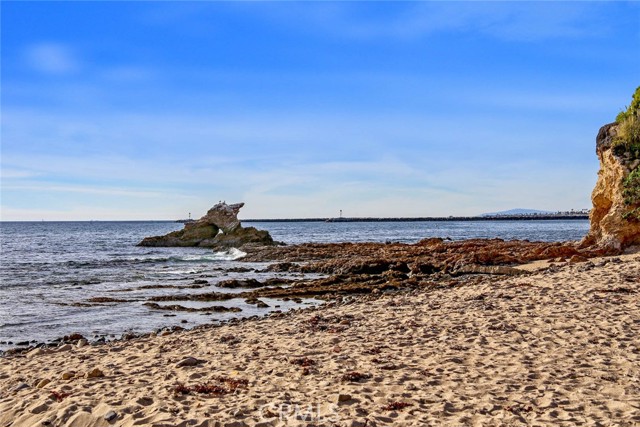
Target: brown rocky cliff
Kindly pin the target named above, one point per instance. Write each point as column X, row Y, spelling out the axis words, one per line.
column 611, row 226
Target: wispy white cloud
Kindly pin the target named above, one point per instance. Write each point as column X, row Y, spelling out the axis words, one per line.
column 85, row 189
column 52, row 58
column 517, row 21
column 10, row 173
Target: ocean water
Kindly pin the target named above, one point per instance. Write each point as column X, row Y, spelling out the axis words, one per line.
column 49, row 270
column 411, row 232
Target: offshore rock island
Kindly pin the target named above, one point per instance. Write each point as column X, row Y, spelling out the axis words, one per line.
column 218, row 229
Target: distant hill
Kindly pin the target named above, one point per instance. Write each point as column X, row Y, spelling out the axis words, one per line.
column 517, row 212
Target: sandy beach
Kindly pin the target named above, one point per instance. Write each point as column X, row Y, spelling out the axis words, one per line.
column 556, row 347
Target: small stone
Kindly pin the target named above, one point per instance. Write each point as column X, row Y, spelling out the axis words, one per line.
column 110, row 416
column 36, row 352
column 189, row 361
column 82, row 343
column 65, row 347
column 43, row 383
column 342, row 397
column 577, row 258
column 68, row 375
column 21, row 386
column 95, row 373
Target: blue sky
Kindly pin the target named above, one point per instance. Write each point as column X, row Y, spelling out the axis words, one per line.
column 150, row 110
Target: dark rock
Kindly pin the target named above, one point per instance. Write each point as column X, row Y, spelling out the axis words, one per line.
column 189, row 361
column 177, row 307
column 484, row 269
column 237, row 283
column 73, row 337
column 219, row 228
column 239, row 270
column 282, row 267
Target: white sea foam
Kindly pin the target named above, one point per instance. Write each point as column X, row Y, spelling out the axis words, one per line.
column 230, row 255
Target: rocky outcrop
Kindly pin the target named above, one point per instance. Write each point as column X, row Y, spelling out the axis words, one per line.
column 219, row 228
column 614, row 226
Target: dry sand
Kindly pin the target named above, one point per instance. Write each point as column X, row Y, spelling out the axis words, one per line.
column 558, row 347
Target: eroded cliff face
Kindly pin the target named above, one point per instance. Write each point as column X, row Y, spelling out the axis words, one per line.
column 612, row 227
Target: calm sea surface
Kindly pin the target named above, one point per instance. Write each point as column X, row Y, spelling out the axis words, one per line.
column 49, row 270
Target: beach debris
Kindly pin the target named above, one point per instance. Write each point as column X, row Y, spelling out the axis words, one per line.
column 209, row 389
column 303, row 361
column 58, row 395
column 180, row 388
column 233, row 384
column 219, row 385
column 189, row 361
column 396, row 406
column 355, row 376
column 20, row 387
column 110, row 416
column 518, row 408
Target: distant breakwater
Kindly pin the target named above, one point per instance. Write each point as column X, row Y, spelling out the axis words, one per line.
column 549, row 217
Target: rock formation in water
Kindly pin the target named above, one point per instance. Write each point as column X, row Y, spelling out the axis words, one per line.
column 615, row 217
column 219, row 228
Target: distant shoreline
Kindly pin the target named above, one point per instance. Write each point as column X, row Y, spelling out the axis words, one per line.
column 432, row 219
column 551, row 217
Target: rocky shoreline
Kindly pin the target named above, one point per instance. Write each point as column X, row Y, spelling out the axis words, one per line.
column 554, row 346
column 331, row 271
